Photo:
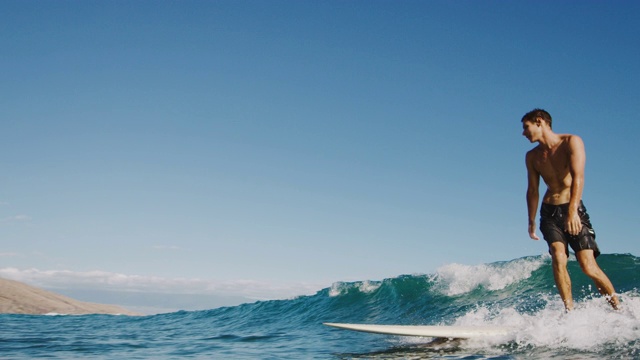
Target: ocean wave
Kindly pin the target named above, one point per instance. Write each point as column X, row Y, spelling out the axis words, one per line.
column 518, row 294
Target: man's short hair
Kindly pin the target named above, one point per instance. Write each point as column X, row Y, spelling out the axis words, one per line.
column 537, row 113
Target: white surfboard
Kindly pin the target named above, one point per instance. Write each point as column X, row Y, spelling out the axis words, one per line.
column 457, row 332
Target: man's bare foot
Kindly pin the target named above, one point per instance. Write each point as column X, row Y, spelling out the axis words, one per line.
column 613, row 301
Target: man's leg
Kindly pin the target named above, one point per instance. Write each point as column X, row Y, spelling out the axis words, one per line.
column 590, row 267
column 559, row 260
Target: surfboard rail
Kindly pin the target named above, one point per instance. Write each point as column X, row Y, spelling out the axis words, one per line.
column 449, row 331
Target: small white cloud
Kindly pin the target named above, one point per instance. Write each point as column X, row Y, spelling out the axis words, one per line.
column 8, row 254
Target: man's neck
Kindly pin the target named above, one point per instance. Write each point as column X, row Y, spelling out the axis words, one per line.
column 549, row 140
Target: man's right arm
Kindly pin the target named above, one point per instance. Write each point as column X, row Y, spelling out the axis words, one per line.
column 533, row 184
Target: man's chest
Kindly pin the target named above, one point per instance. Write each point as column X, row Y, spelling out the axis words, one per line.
column 552, row 163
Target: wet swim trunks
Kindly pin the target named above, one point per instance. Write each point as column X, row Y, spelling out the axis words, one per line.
column 552, row 223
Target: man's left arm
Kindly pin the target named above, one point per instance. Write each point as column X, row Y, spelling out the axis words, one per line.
column 577, row 159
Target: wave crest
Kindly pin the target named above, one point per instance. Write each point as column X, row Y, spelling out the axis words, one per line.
column 456, row 279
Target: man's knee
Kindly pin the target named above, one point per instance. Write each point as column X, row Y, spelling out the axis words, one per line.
column 558, row 253
column 588, row 263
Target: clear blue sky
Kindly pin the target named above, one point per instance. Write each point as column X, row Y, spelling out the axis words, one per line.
column 302, row 142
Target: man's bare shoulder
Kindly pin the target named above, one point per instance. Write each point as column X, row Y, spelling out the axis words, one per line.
column 532, row 157
column 533, row 152
column 570, row 137
column 572, row 141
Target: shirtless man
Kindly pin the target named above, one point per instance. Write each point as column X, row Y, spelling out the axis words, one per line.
column 560, row 160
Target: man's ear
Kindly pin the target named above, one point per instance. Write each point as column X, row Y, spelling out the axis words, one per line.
column 538, row 121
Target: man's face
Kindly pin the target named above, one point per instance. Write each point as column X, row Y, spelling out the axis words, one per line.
column 531, row 130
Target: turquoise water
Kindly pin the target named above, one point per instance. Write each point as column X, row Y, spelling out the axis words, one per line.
column 517, row 293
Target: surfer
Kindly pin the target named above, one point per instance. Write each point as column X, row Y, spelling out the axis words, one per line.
column 560, row 160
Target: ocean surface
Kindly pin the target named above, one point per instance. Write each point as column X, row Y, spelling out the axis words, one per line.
column 519, row 293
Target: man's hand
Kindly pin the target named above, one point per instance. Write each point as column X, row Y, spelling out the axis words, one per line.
column 532, row 231
column 573, row 224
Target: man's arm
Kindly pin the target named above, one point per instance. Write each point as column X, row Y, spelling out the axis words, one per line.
column 577, row 159
column 533, row 196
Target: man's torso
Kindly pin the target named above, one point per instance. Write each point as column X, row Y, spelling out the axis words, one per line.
column 554, row 165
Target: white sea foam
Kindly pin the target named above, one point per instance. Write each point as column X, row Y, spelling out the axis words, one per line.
column 336, row 289
column 456, row 279
column 341, row 288
column 368, row 287
column 590, row 326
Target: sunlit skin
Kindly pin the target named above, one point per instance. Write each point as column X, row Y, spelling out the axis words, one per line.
column 560, row 160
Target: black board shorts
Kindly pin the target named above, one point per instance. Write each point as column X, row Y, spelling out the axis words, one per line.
column 552, row 224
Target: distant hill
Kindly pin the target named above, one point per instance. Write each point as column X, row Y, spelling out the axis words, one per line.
column 19, row 298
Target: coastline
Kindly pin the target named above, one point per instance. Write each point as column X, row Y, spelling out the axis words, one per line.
column 20, row 298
